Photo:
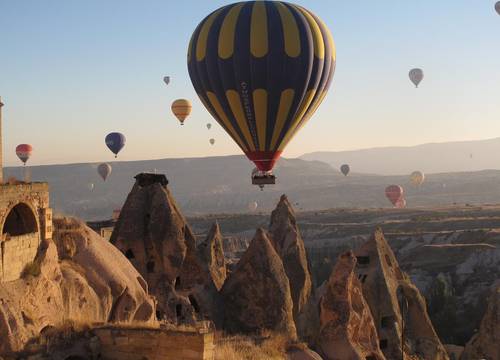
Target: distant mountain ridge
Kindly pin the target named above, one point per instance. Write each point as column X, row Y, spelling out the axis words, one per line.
column 430, row 158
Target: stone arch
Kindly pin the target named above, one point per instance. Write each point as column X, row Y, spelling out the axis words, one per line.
column 21, row 219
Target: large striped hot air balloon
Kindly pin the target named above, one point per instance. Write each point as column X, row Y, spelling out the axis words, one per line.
column 261, row 68
column 23, row 152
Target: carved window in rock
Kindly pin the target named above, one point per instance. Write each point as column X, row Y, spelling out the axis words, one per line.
column 363, row 260
column 178, row 310
column 386, row 322
column 20, row 221
column 177, row 284
column 383, row 344
column 388, row 260
column 150, row 266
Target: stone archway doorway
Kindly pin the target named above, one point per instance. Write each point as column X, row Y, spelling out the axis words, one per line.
column 20, row 221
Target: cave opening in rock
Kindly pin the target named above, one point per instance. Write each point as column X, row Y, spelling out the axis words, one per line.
column 194, row 303
column 178, row 311
column 177, row 284
column 386, row 322
column 129, row 254
column 20, row 221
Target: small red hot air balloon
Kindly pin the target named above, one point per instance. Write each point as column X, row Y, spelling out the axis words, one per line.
column 23, row 152
column 394, row 193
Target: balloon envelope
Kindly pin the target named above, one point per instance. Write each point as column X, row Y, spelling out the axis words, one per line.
column 394, row 193
column 345, row 169
column 253, row 206
column 166, row 80
column 209, row 126
column 417, row 178
column 181, row 109
column 416, row 76
column 401, row 203
column 91, row 186
column 261, row 68
column 497, row 7
column 212, row 141
column 115, row 141
column 104, row 170
column 23, row 152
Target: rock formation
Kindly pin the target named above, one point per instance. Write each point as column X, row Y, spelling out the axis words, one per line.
column 486, row 343
column 392, row 299
column 77, row 277
column 286, row 240
column 212, row 255
column 154, row 235
column 257, row 294
column 347, row 330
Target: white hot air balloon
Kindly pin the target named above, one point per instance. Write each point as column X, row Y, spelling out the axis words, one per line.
column 416, row 75
column 253, row 206
column 166, row 80
column 91, row 186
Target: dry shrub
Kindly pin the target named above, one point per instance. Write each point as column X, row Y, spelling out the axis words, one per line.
column 240, row 347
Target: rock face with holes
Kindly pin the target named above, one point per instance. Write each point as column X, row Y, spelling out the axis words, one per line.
column 396, row 304
column 486, row 343
column 347, row 330
column 78, row 277
column 286, row 239
column 257, row 294
column 154, row 235
column 26, row 221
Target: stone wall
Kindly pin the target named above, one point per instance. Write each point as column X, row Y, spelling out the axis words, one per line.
column 16, row 252
column 25, row 221
column 157, row 344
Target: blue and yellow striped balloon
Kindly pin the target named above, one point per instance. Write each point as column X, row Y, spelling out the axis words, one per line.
column 261, row 68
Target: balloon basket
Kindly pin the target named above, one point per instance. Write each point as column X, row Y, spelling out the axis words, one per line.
column 263, row 180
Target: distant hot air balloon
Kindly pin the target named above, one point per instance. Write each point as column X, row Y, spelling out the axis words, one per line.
column 417, row 178
column 416, row 76
column 401, row 204
column 115, row 141
column 209, row 126
column 394, row 193
column 181, row 109
column 91, row 186
column 212, row 141
column 261, row 68
column 253, row 206
column 166, row 80
column 345, row 169
column 23, row 152
column 104, row 170
column 497, row 7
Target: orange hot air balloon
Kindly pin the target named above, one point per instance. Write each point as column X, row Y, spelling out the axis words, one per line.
column 23, row 152
column 394, row 193
column 261, row 68
column 181, row 109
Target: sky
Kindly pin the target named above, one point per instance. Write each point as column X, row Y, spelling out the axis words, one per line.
column 72, row 71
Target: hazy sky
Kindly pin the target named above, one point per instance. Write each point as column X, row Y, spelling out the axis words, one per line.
column 72, row 71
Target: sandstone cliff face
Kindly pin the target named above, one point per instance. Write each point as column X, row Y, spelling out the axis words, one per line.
column 286, row 240
column 212, row 255
column 347, row 330
column 392, row 299
column 154, row 235
column 82, row 278
column 486, row 343
column 257, row 294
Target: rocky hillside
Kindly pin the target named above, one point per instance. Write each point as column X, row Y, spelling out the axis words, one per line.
column 76, row 277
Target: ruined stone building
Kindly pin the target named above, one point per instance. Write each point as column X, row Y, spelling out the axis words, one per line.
column 25, row 220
